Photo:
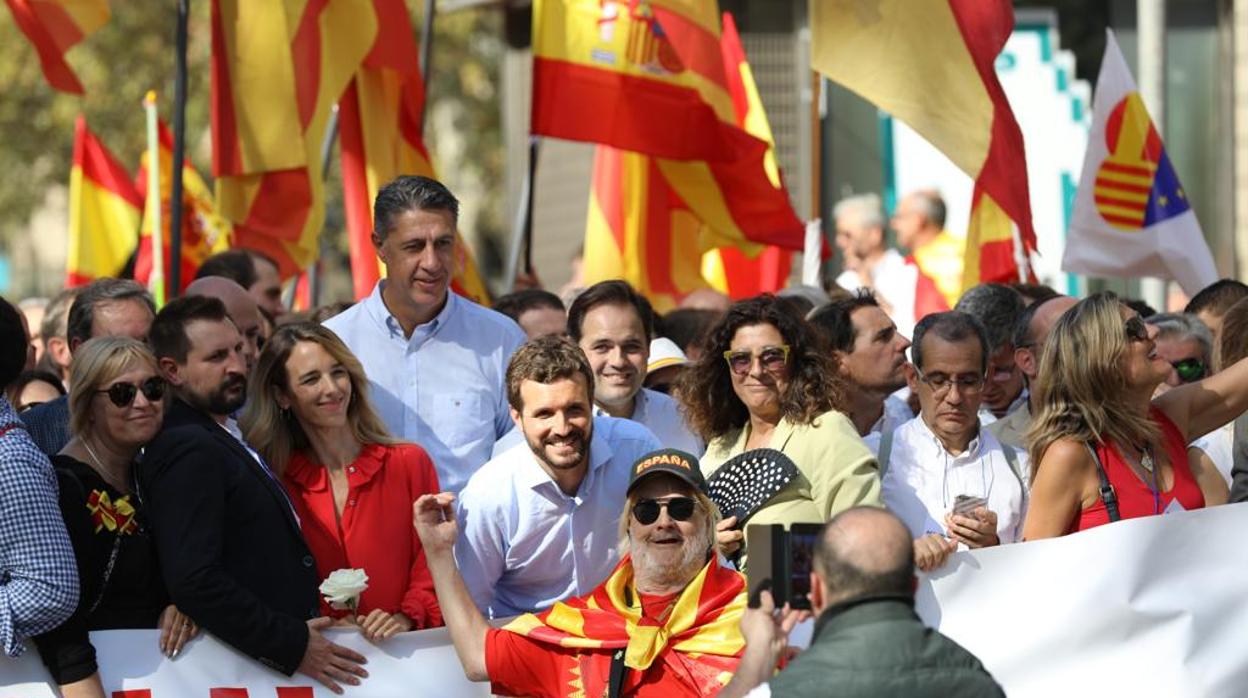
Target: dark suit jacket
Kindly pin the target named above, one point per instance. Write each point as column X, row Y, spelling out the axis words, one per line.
column 48, row 425
column 1239, row 453
column 229, row 545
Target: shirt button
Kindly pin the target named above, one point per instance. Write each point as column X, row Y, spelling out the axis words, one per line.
column 350, row 502
column 351, row 469
column 308, row 561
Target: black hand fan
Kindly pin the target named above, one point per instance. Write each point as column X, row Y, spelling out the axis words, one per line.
column 746, row 482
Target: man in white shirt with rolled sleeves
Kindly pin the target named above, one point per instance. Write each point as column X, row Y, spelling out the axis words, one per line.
column 540, row 522
column 435, row 360
column 951, row 481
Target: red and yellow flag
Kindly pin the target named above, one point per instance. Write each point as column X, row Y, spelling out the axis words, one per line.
column 104, row 211
column 929, row 63
column 277, row 70
column 204, row 231
column 704, row 624
column 55, row 26
column 380, row 135
column 731, row 198
column 747, row 270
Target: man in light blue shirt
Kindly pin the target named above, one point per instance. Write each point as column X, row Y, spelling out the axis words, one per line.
column 613, row 325
column 541, row 522
column 435, row 361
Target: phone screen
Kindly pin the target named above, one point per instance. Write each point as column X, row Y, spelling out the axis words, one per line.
column 802, row 541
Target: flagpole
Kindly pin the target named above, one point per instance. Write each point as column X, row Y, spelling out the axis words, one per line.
column 327, row 155
column 522, row 224
column 426, row 50
column 179, row 145
column 155, row 280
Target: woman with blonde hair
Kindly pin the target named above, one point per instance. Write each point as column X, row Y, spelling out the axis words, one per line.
column 117, row 406
column 1104, row 448
column 351, row 483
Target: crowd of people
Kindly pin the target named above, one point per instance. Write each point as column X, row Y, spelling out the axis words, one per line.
column 204, row 466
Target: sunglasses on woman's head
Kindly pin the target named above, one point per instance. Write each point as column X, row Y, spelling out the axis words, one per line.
column 646, row 511
column 122, row 394
column 1137, row 331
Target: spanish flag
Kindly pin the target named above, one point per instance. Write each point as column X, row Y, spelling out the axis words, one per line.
column 277, row 70
column 55, row 26
column 104, row 211
column 929, row 63
column 380, row 118
column 747, row 270
column 204, row 231
column 703, row 627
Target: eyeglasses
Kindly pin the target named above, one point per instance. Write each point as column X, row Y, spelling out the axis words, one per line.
column 1189, row 370
column 122, row 394
column 940, row 383
column 646, row 511
column 770, row 358
column 1137, row 331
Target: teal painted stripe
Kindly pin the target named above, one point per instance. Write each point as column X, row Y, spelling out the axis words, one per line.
column 888, row 165
column 1069, row 189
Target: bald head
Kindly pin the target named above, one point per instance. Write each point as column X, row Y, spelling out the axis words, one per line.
column 864, row 551
column 239, row 305
column 1046, row 316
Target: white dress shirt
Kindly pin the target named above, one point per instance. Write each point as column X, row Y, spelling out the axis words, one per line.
column 923, row 479
column 442, row 387
column 896, row 412
column 894, row 284
column 661, row 415
column 524, row 544
column 1217, row 444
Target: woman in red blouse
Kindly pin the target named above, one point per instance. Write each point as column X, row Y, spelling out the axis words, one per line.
column 351, row 483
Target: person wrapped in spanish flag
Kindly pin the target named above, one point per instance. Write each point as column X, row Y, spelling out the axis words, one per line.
column 665, row 622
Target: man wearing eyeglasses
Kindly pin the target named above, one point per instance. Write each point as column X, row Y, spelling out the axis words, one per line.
column 664, row 623
column 539, row 520
column 1030, row 334
column 952, row 482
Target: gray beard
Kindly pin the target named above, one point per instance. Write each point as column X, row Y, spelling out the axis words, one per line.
column 652, row 576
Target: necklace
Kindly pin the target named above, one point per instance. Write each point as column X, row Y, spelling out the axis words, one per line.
column 100, row 466
column 1146, row 459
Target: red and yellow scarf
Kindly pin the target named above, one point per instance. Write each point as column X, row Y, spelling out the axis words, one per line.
column 705, row 619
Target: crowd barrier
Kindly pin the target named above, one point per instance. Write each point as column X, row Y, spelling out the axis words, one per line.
column 1143, row 607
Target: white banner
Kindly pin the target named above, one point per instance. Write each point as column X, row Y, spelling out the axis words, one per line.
column 1146, row 607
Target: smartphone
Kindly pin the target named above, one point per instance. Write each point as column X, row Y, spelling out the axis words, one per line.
column 802, row 539
column 965, row 504
column 766, row 546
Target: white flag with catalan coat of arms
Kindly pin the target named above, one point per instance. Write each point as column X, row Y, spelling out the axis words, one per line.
column 1132, row 216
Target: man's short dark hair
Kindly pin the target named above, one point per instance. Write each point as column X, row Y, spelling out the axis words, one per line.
column 1141, row 308
column 835, row 564
column 15, row 346
column 686, row 327
column 997, row 307
column 168, row 335
column 613, row 292
column 1034, row 293
column 932, row 206
column 545, row 360
column 952, row 326
column 56, row 315
column 517, row 303
column 410, row 193
column 835, row 320
column 1217, row 297
column 82, row 312
column 235, row 265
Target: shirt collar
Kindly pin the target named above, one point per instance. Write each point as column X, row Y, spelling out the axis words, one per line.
column 531, row 474
column 926, row 435
column 312, row 476
column 375, row 305
column 639, row 408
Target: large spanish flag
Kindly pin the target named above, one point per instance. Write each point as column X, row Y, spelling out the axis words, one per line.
column 380, row 135
column 747, row 269
column 278, row 68
column 204, row 231
column 929, row 63
column 103, row 211
column 55, row 26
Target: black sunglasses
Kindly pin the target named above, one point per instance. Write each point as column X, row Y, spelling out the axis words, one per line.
column 1137, row 331
column 122, row 394
column 1189, row 370
column 646, row 511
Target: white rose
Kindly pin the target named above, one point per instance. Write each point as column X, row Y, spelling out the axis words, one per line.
column 342, row 588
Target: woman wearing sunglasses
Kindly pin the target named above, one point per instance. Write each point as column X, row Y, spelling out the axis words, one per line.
column 116, row 407
column 1104, row 447
column 351, row 483
column 763, row 381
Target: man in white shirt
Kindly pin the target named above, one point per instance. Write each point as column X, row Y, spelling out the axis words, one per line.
column 540, row 521
column 435, row 360
column 942, row 460
column 613, row 325
column 872, row 354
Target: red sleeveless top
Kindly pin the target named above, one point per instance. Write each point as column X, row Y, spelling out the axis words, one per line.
column 1135, row 496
